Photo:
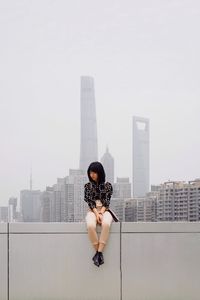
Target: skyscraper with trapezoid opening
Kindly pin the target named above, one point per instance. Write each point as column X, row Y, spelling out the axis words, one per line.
column 140, row 156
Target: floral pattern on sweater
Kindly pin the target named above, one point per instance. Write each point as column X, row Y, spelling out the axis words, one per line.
column 94, row 191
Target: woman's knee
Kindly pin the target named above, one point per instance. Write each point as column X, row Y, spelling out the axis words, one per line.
column 91, row 225
column 107, row 220
column 90, row 218
column 106, row 223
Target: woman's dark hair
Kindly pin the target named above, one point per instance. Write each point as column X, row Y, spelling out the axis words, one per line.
column 98, row 168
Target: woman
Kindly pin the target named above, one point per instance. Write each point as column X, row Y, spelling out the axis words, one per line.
column 97, row 194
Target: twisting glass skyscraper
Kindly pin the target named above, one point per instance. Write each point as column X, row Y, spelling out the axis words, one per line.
column 88, row 144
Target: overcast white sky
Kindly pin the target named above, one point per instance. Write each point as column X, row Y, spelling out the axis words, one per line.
column 144, row 57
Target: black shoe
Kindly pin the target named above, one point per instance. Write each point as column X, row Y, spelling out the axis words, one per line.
column 101, row 259
column 96, row 259
column 94, row 255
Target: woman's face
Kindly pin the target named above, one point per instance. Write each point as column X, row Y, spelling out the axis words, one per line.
column 94, row 175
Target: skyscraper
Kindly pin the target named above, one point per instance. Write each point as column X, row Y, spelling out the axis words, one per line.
column 140, row 156
column 88, row 143
column 108, row 163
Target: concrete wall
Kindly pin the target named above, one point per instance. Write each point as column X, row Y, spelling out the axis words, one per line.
column 161, row 261
column 3, row 261
column 143, row 261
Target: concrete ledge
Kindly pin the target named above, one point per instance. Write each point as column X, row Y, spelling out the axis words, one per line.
column 144, row 260
column 160, row 227
column 55, row 227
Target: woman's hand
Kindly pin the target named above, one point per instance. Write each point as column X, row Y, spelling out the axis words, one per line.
column 99, row 218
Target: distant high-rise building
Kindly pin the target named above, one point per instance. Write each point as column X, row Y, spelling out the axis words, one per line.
column 170, row 201
column 64, row 201
column 179, row 201
column 78, row 178
column 155, row 187
column 122, row 188
column 3, row 214
column 30, row 205
column 88, row 143
column 139, row 209
column 121, row 191
column 140, row 156
column 108, row 163
column 47, row 198
column 12, row 212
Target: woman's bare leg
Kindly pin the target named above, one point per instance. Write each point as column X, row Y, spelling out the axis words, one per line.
column 96, row 246
column 101, row 247
column 106, row 223
column 91, row 223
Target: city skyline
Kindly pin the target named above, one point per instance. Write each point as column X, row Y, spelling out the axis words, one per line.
column 31, row 179
column 145, row 62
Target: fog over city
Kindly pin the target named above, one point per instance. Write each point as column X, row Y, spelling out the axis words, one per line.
column 144, row 58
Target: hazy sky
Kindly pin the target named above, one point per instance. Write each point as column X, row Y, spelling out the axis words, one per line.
column 144, row 57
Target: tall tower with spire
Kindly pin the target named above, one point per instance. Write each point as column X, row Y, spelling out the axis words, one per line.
column 108, row 163
column 88, row 136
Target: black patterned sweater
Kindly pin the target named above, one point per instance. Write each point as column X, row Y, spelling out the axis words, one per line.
column 94, row 191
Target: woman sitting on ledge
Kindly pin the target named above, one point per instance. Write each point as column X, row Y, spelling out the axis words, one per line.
column 97, row 194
